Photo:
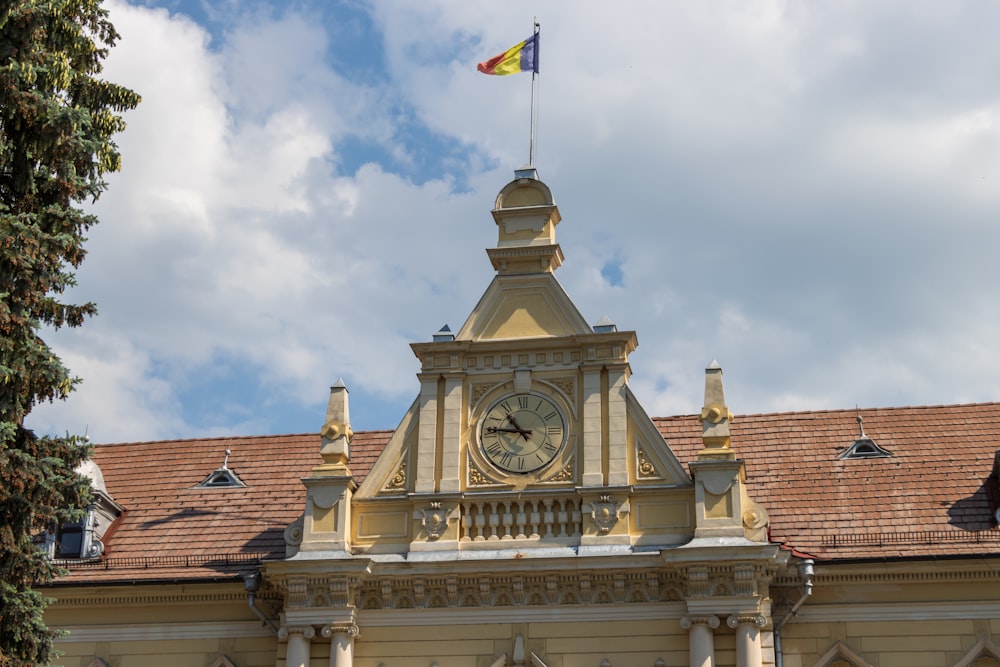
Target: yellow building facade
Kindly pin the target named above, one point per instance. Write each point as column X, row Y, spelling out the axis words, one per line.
column 528, row 511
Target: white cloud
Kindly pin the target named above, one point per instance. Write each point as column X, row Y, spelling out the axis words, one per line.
column 805, row 192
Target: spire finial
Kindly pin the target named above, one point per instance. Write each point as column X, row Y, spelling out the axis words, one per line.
column 336, row 433
column 715, row 417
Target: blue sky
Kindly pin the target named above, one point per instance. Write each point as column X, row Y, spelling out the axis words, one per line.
column 807, row 192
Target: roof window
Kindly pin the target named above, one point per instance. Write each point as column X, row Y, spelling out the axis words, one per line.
column 222, row 477
column 864, row 447
column 81, row 539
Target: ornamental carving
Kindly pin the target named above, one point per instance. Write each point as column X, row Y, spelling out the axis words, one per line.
column 604, row 513
column 333, row 629
column 479, row 390
column 644, row 466
column 757, row 620
column 478, row 478
column 566, row 386
column 519, row 591
column 435, row 520
column 397, row 481
column 564, row 475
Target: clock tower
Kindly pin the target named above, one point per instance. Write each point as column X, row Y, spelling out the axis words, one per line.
column 525, row 400
column 526, row 490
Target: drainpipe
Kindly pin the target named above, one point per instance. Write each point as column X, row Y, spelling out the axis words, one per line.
column 251, row 583
column 806, row 571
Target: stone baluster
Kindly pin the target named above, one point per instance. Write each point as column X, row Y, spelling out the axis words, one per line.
column 701, row 639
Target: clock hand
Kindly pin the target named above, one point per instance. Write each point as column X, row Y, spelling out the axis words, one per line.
column 501, row 429
column 524, row 432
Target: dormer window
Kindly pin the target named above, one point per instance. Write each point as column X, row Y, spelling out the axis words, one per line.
column 82, row 539
column 222, row 477
column 864, row 447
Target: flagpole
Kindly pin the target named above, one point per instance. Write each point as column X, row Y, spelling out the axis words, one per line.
column 534, row 74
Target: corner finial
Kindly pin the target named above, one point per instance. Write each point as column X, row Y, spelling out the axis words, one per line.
column 715, row 417
column 336, row 433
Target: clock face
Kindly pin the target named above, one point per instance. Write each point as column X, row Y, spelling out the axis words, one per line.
column 522, row 432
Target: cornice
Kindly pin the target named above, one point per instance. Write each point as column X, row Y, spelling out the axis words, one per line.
column 938, row 572
column 164, row 631
column 533, row 614
column 898, row 611
column 146, row 595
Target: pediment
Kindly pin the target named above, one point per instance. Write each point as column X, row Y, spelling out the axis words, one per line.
column 655, row 463
column 523, row 306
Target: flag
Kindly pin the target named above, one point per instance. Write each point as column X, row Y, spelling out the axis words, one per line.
column 522, row 57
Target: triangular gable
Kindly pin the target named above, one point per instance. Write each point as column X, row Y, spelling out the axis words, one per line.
column 523, row 306
column 984, row 654
column 841, row 655
column 655, row 463
column 392, row 472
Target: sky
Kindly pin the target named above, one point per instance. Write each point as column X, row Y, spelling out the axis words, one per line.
column 807, row 192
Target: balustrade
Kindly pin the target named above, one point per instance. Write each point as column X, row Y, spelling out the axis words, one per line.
column 534, row 518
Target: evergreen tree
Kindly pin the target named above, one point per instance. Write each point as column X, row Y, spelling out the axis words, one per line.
column 57, row 119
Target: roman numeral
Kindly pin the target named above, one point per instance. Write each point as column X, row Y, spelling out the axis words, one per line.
column 549, row 447
column 522, row 401
column 520, row 463
column 551, row 416
column 505, row 459
column 506, row 406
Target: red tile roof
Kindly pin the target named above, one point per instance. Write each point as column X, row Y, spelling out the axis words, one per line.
column 929, row 499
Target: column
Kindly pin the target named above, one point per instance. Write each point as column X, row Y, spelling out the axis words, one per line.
column 701, row 639
column 299, row 639
column 593, row 463
column 341, row 637
column 451, row 430
column 748, row 651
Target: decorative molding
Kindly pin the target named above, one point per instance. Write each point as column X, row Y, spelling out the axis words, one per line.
column 434, row 519
column 758, row 620
column 983, row 653
column 899, row 611
column 644, row 467
column 521, row 591
column 153, row 598
column 480, row 390
column 306, row 631
column 332, row 629
column 440, row 617
column 477, row 477
column 164, row 631
column 605, row 513
column 564, row 475
column 223, row 661
column 566, row 386
column 293, row 534
column 398, row 481
column 688, row 621
column 99, row 662
column 841, row 653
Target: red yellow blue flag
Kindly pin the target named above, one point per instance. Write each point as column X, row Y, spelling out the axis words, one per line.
column 521, row 57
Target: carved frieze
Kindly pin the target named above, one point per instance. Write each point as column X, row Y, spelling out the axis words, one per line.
column 517, row 590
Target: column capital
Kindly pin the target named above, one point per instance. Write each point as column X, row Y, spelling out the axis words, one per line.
column 688, row 621
column 332, row 629
column 287, row 631
column 758, row 620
